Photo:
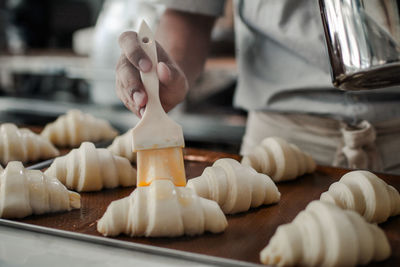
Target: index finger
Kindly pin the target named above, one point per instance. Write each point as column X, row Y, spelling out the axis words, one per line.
column 130, row 46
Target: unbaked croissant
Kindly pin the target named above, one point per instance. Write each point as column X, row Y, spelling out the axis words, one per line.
column 162, row 209
column 325, row 235
column 90, row 169
column 122, row 146
column 235, row 187
column 25, row 192
column 279, row 159
column 365, row 193
column 76, row 127
column 23, row 145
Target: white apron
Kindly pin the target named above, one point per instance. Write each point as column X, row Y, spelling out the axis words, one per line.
column 330, row 142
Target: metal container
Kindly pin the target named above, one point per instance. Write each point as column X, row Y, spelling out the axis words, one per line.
column 363, row 42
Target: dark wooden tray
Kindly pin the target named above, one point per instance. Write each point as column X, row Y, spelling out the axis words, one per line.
column 247, row 234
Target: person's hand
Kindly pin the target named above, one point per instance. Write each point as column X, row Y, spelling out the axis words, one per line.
column 129, row 87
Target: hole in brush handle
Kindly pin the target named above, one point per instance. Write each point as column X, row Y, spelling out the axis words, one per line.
column 145, row 40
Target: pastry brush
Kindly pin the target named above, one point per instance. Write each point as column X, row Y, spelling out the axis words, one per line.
column 157, row 139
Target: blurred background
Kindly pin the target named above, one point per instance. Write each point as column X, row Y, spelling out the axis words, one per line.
column 61, row 54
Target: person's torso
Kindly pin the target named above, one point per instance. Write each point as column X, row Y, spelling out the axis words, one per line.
column 284, row 67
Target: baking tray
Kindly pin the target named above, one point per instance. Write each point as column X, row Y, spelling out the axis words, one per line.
column 240, row 244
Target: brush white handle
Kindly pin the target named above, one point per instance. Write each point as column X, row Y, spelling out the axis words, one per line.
column 155, row 130
column 150, row 79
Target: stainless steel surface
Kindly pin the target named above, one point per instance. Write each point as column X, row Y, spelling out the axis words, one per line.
column 166, row 257
column 20, row 247
column 363, row 42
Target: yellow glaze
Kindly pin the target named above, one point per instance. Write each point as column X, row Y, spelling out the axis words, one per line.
column 160, row 164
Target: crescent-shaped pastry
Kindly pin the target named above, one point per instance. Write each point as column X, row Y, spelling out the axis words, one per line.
column 162, row 210
column 365, row 193
column 76, row 127
column 279, row 160
column 23, row 145
column 235, row 187
column 326, row 235
column 122, row 146
column 25, row 192
column 90, row 169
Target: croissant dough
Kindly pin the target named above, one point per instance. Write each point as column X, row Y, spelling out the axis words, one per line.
column 76, row 127
column 325, row 235
column 23, row 145
column 122, row 146
column 162, row 209
column 365, row 193
column 279, row 160
column 235, row 187
column 90, row 169
column 25, row 192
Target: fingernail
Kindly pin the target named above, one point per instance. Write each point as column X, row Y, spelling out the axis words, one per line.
column 144, row 65
column 138, row 98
